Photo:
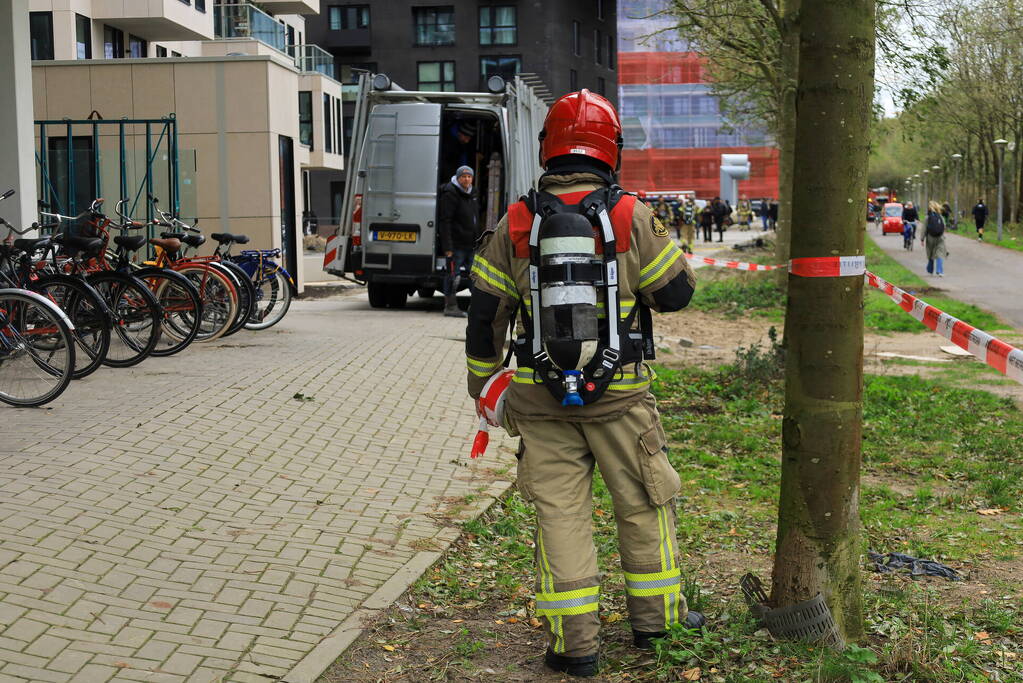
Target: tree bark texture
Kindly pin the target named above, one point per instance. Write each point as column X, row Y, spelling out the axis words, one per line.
column 789, row 67
column 817, row 548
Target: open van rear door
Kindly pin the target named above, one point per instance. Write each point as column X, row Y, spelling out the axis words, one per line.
column 400, row 193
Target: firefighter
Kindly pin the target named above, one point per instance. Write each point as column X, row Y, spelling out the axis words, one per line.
column 599, row 412
column 689, row 213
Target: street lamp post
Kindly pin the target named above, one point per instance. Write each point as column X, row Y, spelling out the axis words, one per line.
column 927, row 190
column 1000, row 144
column 936, row 179
column 956, row 158
column 916, row 192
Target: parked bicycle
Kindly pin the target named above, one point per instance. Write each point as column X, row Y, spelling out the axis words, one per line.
column 37, row 346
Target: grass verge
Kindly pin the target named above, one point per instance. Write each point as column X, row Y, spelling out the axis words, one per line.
column 1012, row 233
column 943, row 479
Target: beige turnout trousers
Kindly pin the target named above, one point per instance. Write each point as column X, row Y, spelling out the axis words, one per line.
column 555, row 473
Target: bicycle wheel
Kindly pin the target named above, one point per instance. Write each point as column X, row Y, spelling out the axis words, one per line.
column 136, row 317
column 181, row 304
column 219, row 299
column 246, row 294
column 37, row 349
column 87, row 311
column 273, row 298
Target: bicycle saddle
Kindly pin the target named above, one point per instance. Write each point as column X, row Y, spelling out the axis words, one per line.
column 130, row 242
column 171, row 245
column 87, row 245
column 190, row 240
column 31, row 244
column 228, row 238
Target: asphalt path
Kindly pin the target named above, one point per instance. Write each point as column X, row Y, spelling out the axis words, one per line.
column 982, row 274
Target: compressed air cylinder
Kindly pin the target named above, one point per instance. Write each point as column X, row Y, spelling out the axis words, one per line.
column 568, row 295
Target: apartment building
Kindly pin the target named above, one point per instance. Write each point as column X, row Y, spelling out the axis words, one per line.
column 255, row 107
column 455, row 45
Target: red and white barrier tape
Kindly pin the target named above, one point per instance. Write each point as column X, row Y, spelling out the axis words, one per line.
column 738, row 265
column 1003, row 357
column 828, row 266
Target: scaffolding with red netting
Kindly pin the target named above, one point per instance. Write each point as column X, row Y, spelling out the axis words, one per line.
column 674, row 132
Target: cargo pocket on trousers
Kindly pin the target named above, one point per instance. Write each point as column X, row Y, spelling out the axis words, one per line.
column 659, row 477
column 522, row 474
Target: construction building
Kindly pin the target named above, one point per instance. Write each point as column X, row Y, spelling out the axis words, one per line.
column 674, row 131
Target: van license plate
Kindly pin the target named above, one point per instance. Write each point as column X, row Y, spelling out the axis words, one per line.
column 395, row 236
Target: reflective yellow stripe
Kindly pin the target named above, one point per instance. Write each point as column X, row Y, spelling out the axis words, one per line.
column 660, row 269
column 569, row 595
column 653, row 576
column 482, row 368
column 485, row 270
column 657, row 259
column 623, row 382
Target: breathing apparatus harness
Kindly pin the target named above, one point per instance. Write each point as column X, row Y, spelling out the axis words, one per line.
column 570, row 352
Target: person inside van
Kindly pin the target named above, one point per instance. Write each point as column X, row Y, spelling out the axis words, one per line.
column 459, row 146
column 458, row 218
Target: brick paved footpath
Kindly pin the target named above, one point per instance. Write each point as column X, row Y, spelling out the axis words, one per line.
column 189, row 520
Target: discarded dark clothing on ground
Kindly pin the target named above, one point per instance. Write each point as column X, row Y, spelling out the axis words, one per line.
column 893, row 562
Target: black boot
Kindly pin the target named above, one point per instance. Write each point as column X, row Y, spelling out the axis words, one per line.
column 644, row 640
column 584, row 667
column 451, row 308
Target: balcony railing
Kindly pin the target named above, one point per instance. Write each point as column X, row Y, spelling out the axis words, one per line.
column 312, row 58
column 242, row 20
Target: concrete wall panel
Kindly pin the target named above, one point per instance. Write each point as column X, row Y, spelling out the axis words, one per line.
column 153, row 93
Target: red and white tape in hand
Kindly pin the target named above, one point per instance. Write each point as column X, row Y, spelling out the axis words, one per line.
column 1003, row 357
column 738, row 265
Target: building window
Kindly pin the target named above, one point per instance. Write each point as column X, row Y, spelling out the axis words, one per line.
column 573, row 80
column 305, row 118
column 498, row 25
column 600, row 10
column 161, row 51
column 347, row 125
column 83, row 37
column 328, row 127
column 504, row 66
column 41, row 34
column 137, row 47
column 113, row 42
column 601, row 87
column 575, row 39
column 345, row 17
column 200, row 5
column 175, row 53
column 338, row 126
column 610, row 52
column 434, row 25
column 437, row 76
column 597, row 45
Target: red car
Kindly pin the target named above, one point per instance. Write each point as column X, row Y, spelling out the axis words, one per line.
column 892, row 214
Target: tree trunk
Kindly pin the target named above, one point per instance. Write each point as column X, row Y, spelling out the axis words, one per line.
column 817, row 548
column 789, row 52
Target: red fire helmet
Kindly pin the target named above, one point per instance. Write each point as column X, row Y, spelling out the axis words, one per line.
column 582, row 123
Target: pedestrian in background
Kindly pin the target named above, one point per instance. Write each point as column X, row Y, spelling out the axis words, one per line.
column 744, row 210
column 980, row 218
column 458, row 213
column 910, row 215
column 707, row 222
column 934, row 240
column 720, row 211
column 764, row 211
column 946, row 215
column 772, row 214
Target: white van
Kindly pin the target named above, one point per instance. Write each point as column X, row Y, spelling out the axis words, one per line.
column 402, row 143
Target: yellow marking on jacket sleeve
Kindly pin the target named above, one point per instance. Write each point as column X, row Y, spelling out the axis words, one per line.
column 654, row 276
column 492, row 275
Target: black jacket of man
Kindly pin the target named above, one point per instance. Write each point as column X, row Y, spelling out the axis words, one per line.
column 980, row 214
column 458, row 216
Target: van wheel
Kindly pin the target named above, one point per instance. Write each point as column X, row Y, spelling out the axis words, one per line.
column 425, row 292
column 397, row 296
column 377, row 294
